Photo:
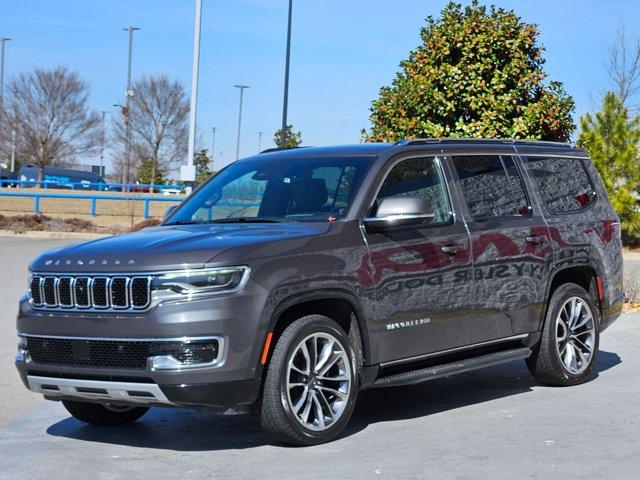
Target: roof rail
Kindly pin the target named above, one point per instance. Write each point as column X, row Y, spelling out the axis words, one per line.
column 279, row 149
column 510, row 141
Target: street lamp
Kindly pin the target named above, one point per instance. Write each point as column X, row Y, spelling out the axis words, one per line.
column 188, row 171
column 3, row 40
column 259, row 142
column 102, row 142
column 127, row 110
column 285, row 102
column 241, row 87
column 213, row 146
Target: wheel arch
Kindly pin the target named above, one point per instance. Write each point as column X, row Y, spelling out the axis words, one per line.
column 340, row 305
column 583, row 273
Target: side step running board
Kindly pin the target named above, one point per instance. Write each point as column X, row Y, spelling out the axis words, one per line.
column 446, row 369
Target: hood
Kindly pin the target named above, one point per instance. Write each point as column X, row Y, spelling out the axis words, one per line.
column 167, row 248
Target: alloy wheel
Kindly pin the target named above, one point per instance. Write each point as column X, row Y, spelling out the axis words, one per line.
column 318, row 381
column 575, row 335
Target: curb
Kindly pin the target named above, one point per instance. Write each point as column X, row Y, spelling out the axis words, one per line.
column 54, row 235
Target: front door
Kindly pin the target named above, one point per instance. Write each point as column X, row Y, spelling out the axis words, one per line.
column 421, row 273
column 510, row 244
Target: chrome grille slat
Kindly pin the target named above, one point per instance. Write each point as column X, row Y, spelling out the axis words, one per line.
column 83, row 292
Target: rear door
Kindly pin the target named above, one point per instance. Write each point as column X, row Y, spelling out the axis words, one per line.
column 510, row 245
column 421, row 273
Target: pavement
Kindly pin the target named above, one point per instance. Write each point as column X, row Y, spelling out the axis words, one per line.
column 494, row 423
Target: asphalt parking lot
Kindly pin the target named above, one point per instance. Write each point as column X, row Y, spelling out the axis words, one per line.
column 494, row 423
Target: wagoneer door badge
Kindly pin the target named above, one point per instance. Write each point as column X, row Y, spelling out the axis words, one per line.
column 408, row 323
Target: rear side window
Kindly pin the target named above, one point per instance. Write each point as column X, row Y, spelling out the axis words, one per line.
column 419, row 177
column 563, row 183
column 491, row 186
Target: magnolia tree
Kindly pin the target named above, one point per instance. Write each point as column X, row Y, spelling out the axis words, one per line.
column 477, row 73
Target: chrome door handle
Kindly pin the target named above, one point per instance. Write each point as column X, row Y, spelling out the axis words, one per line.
column 535, row 239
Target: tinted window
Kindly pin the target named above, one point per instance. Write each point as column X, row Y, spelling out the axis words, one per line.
column 282, row 189
column 419, row 177
column 563, row 183
column 491, row 186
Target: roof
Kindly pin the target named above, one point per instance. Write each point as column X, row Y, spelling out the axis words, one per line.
column 455, row 144
column 355, row 150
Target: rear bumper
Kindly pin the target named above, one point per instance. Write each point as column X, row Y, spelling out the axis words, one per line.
column 611, row 312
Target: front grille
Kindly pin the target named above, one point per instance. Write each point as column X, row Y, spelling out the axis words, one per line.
column 83, row 292
column 89, row 353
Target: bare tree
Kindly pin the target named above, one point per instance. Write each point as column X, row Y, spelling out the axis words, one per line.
column 48, row 109
column 623, row 66
column 159, row 113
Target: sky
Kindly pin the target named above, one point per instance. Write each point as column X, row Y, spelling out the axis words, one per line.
column 342, row 53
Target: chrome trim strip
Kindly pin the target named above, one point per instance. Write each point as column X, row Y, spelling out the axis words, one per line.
column 126, row 293
column 149, row 279
column 71, row 282
column 184, row 339
column 453, row 350
column 120, row 392
column 78, row 305
column 106, row 293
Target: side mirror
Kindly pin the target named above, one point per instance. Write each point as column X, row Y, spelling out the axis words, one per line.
column 399, row 211
column 169, row 211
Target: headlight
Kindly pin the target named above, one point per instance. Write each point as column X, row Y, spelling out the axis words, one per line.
column 205, row 281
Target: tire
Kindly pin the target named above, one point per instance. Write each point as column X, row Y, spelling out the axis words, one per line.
column 282, row 409
column 562, row 347
column 97, row 414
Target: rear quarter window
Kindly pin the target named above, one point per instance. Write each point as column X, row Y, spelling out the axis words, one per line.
column 563, row 182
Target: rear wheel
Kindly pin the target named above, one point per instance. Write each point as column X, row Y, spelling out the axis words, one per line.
column 311, row 383
column 106, row 415
column 568, row 348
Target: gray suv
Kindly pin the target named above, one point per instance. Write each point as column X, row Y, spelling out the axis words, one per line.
column 295, row 278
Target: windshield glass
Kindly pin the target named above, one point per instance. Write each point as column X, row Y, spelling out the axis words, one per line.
column 280, row 189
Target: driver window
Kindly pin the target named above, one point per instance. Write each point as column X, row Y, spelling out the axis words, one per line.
column 419, row 177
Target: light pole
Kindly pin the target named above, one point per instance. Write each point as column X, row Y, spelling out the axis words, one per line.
column 127, row 110
column 102, row 142
column 241, row 87
column 3, row 40
column 259, row 142
column 188, row 171
column 213, row 146
column 285, row 102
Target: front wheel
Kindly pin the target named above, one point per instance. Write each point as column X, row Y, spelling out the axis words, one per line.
column 568, row 349
column 104, row 415
column 311, row 383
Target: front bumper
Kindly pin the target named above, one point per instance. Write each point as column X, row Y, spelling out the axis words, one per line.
column 215, row 395
column 233, row 318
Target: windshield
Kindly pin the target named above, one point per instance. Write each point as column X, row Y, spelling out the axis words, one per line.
column 278, row 190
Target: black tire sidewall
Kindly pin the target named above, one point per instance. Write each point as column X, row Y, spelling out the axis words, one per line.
column 319, row 325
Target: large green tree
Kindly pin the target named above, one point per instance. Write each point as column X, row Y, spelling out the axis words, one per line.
column 477, row 73
column 612, row 139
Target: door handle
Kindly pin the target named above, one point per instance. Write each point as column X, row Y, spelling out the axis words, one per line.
column 535, row 239
column 451, row 249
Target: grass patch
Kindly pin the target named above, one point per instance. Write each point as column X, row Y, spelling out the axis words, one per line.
column 44, row 223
